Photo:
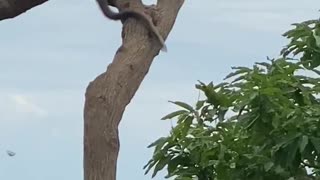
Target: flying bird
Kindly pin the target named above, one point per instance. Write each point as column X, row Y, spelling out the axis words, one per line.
column 10, row 153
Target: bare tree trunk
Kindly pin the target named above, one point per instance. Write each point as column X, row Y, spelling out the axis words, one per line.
column 13, row 8
column 108, row 95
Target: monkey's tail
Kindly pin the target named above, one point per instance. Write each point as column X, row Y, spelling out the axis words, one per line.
column 123, row 15
column 128, row 13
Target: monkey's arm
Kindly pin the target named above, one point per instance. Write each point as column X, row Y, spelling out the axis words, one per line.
column 123, row 15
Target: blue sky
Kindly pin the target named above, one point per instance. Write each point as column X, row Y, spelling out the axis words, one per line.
column 51, row 53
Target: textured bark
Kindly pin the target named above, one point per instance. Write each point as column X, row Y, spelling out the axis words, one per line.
column 13, row 8
column 108, row 95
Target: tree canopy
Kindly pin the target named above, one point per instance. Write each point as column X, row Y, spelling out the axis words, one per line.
column 261, row 122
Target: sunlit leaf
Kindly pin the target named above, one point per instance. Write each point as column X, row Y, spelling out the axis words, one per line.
column 184, row 105
column 174, row 114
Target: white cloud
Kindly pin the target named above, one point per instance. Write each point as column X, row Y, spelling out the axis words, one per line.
column 24, row 104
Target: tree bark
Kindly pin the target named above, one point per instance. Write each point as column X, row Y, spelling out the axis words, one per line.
column 108, row 95
column 13, row 8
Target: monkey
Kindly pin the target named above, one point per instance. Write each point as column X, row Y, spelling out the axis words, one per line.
column 123, row 15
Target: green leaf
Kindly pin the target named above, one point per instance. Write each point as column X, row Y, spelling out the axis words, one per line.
column 267, row 65
column 149, row 166
column 316, row 143
column 240, row 70
column 174, row 114
column 316, row 71
column 268, row 166
column 199, row 104
column 160, row 165
column 303, row 143
column 186, row 125
column 172, row 165
column 158, row 142
column 292, row 153
column 223, row 149
column 184, row 105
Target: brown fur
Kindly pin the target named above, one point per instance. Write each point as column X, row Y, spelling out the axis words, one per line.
column 123, row 15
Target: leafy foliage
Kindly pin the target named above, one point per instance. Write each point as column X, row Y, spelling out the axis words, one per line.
column 260, row 123
column 305, row 40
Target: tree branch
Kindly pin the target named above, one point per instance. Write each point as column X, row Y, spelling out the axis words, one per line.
column 12, row 8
